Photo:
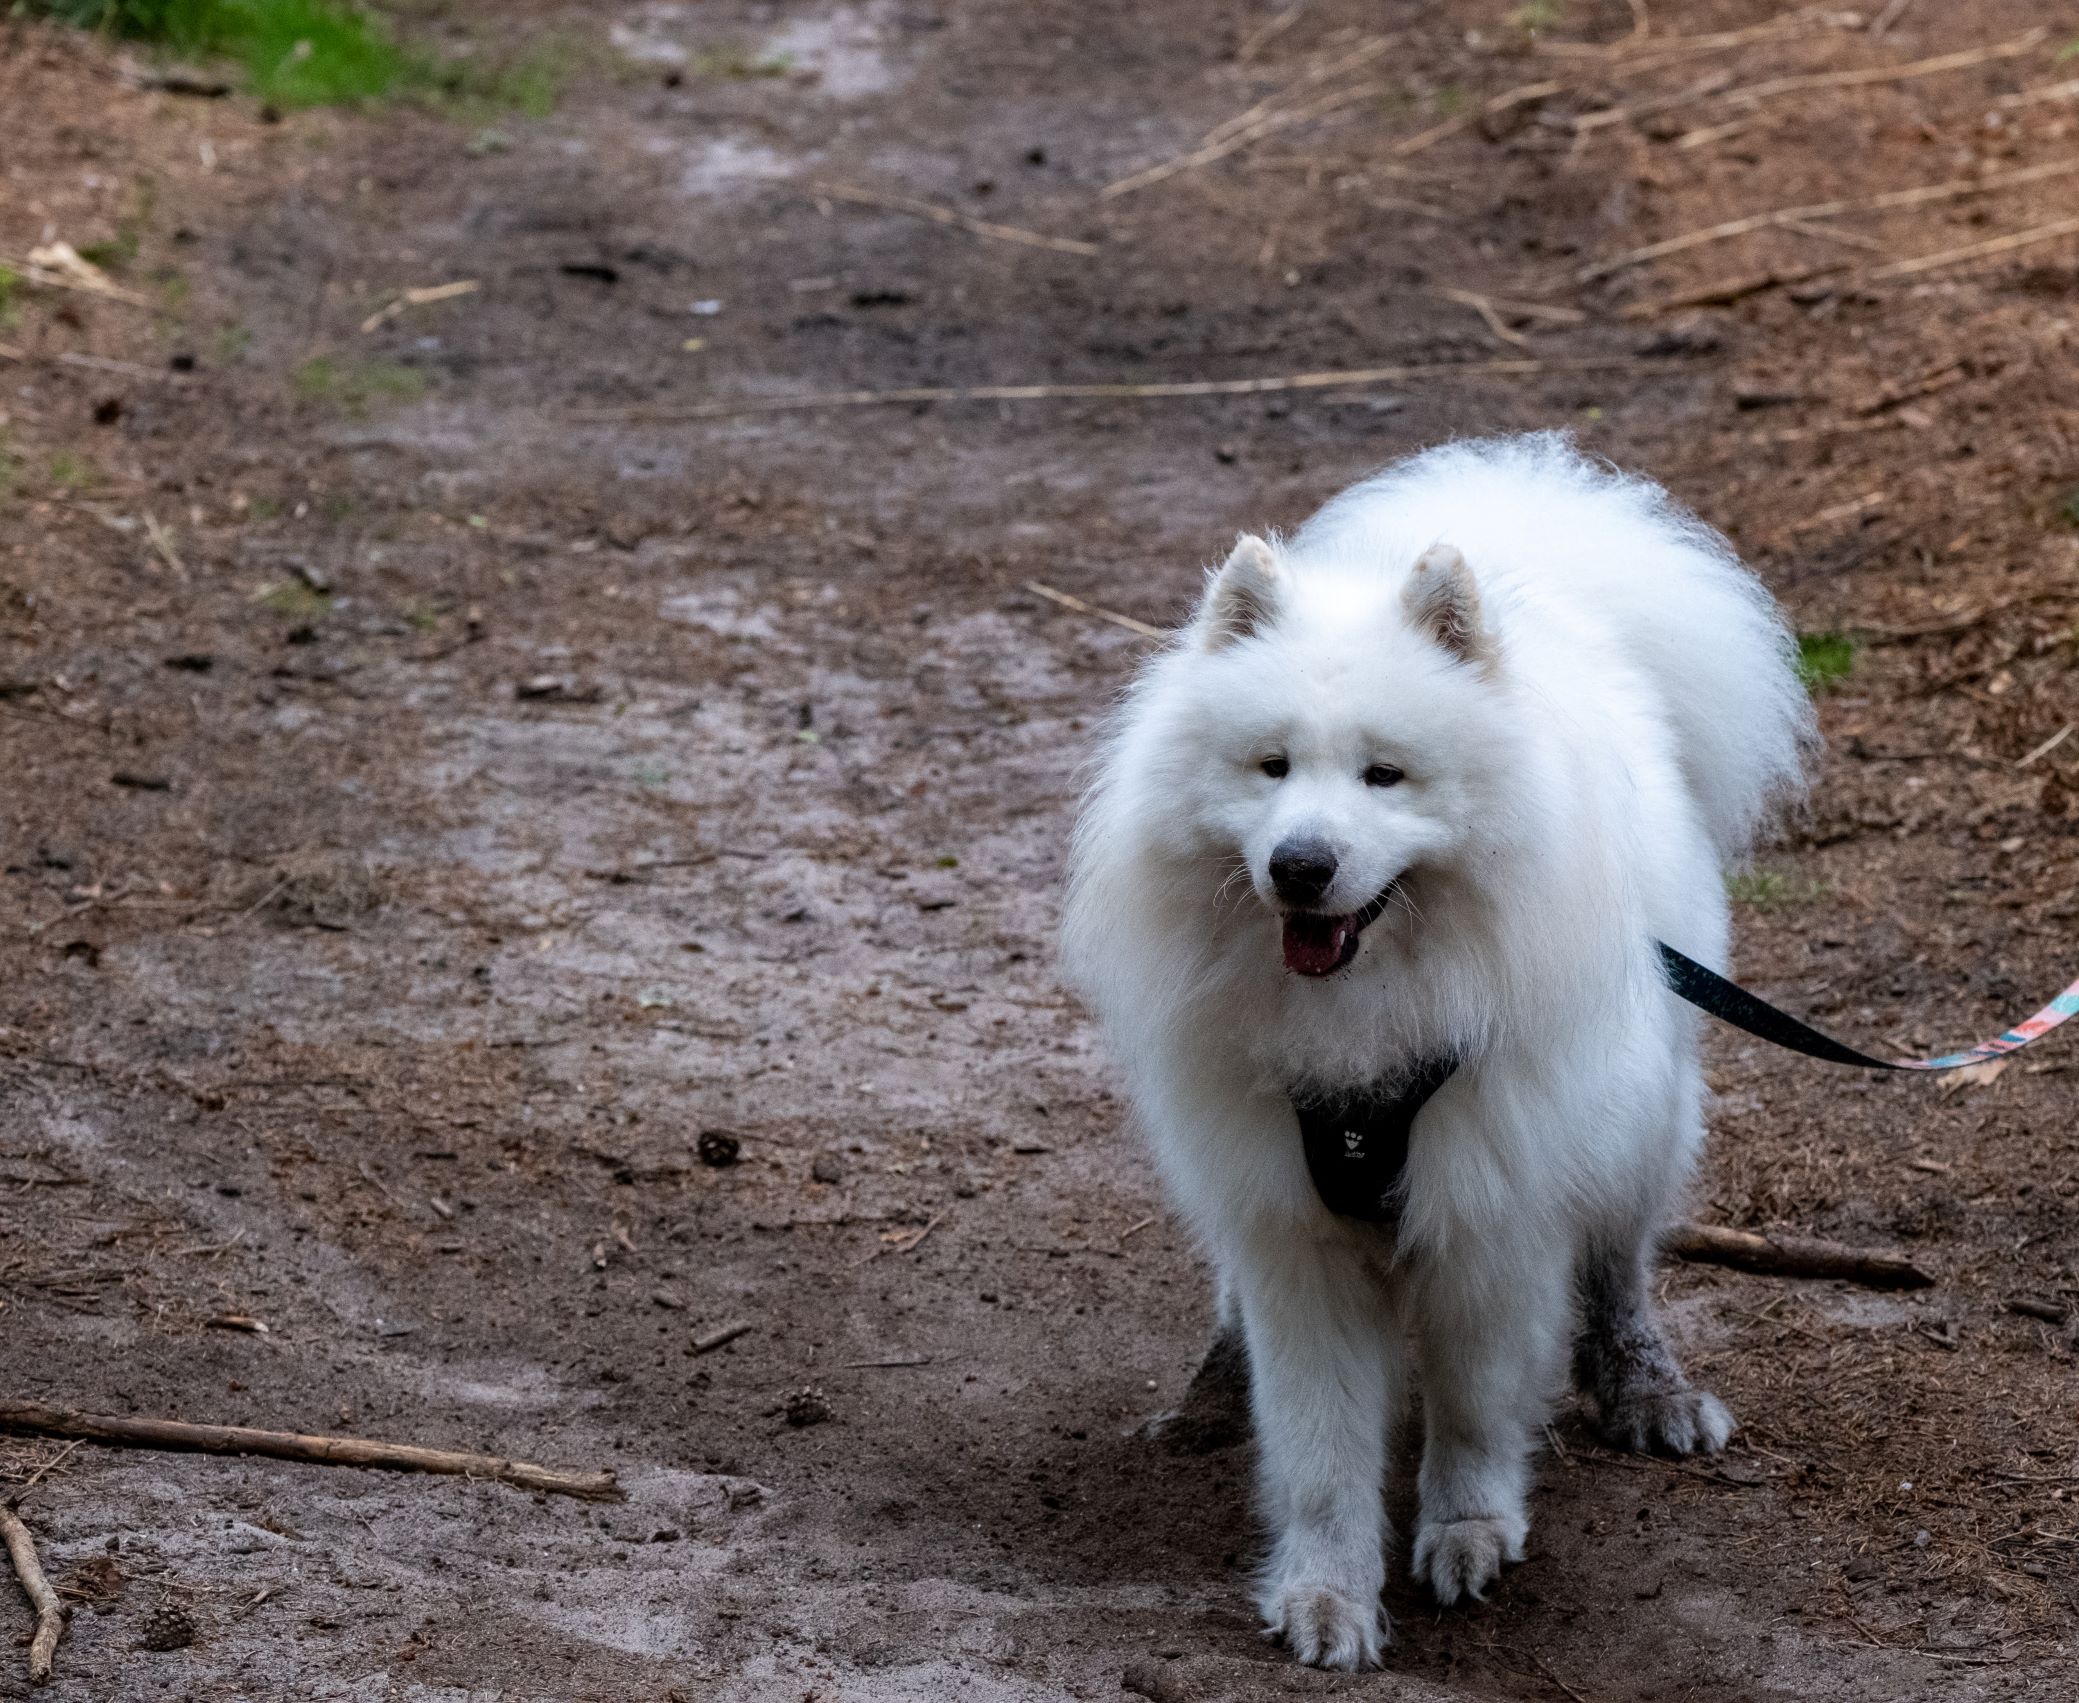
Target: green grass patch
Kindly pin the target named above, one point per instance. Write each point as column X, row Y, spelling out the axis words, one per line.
column 322, row 52
column 1766, row 889
column 733, row 64
column 2067, row 511
column 69, row 473
column 1824, row 660
column 357, row 387
column 292, row 600
column 1534, row 17
column 294, row 52
column 10, row 294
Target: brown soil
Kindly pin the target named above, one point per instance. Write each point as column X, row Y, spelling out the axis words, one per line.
column 361, row 986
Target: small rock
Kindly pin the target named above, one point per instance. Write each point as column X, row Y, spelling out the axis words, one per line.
column 806, row 1407
column 717, row 1147
column 1156, row 1681
column 827, row 1169
column 557, row 689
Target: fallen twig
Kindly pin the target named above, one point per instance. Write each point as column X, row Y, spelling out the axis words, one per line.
column 1791, row 1256
column 44, row 1471
column 717, row 1338
column 1266, row 32
column 59, row 266
column 1749, row 94
column 128, row 369
column 1918, row 68
column 1350, row 378
column 1039, row 589
column 1975, row 251
column 2065, row 91
column 1725, row 291
column 2049, row 745
column 420, row 297
column 1545, row 1668
column 1489, row 316
column 1265, row 118
column 162, row 541
column 1639, row 52
column 945, row 216
column 50, row 1613
column 1895, row 395
column 1270, row 124
column 48, row 1421
column 1955, row 189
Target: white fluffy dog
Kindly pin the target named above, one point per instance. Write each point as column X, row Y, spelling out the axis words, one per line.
column 1427, row 781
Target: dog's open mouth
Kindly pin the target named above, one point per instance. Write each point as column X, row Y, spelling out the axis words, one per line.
column 1317, row 945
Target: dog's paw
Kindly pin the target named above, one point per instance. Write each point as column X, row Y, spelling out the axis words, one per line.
column 1462, row 1558
column 1325, row 1625
column 1669, row 1422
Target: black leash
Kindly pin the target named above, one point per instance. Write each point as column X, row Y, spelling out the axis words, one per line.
column 1710, row 992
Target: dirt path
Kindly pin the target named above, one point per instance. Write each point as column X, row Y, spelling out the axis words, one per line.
column 452, row 804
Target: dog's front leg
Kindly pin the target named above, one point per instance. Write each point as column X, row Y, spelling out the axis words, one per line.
column 1323, row 1375
column 1487, row 1342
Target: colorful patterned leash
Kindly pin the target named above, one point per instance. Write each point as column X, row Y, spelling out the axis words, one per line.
column 1711, row 992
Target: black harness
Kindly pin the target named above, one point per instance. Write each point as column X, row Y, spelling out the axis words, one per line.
column 1357, row 1140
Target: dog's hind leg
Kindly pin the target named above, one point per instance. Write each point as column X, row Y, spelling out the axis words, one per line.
column 1622, row 1361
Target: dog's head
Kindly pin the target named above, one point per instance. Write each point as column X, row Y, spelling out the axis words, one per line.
column 1345, row 732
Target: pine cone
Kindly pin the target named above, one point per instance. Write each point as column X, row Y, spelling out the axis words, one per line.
column 168, row 1627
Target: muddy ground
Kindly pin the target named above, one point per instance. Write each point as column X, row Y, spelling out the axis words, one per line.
column 448, row 773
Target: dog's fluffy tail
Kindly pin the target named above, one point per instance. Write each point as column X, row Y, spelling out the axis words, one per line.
column 1697, row 623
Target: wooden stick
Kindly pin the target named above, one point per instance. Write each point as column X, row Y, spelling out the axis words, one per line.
column 1955, row 189
column 1350, row 378
column 1791, row 1256
column 2045, row 92
column 1482, row 306
column 945, row 216
column 423, row 296
column 1975, row 251
column 50, row 1613
column 1265, row 33
column 1040, row 589
column 51, row 1421
column 1725, row 291
column 721, row 1338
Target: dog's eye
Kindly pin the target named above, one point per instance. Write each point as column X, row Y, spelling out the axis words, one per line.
column 1383, row 774
column 1276, row 767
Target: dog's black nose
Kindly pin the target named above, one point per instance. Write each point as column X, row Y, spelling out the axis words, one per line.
column 1301, row 871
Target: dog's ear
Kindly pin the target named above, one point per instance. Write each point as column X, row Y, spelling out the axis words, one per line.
column 1443, row 602
column 1242, row 596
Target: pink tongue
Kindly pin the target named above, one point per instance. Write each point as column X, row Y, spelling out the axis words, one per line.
column 1314, row 945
